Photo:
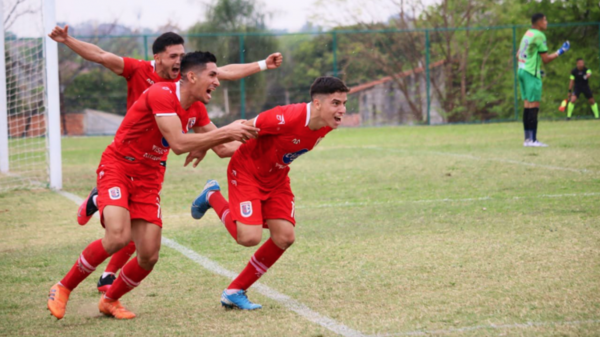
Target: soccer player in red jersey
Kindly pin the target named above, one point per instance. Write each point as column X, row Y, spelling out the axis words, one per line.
column 129, row 177
column 140, row 75
column 259, row 186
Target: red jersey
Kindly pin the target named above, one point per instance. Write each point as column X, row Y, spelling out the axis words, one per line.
column 284, row 136
column 139, row 139
column 140, row 75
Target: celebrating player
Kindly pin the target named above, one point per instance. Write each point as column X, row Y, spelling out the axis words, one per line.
column 140, row 75
column 259, row 186
column 532, row 52
column 579, row 84
column 130, row 177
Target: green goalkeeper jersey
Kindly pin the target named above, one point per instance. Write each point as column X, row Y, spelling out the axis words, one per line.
column 532, row 45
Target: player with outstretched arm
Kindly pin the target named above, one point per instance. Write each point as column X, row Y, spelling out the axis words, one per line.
column 168, row 49
column 130, row 176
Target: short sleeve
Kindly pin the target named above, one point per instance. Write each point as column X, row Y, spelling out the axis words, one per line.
column 272, row 122
column 130, row 66
column 542, row 45
column 161, row 101
column 201, row 115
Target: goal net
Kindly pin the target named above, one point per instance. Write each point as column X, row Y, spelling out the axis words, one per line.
column 29, row 143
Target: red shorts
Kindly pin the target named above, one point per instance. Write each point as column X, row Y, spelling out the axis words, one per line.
column 252, row 204
column 133, row 186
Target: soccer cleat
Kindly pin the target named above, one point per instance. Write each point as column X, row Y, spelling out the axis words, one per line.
column 568, row 118
column 104, row 283
column 201, row 205
column 114, row 308
column 87, row 208
column 537, row 143
column 57, row 300
column 238, row 300
column 527, row 143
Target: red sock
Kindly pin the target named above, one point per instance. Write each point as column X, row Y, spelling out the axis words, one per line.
column 221, row 206
column 118, row 260
column 90, row 258
column 130, row 277
column 260, row 262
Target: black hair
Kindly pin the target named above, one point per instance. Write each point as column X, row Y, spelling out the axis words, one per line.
column 165, row 40
column 196, row 59
column 579, row 59
column 536, row 17
column 327, row 85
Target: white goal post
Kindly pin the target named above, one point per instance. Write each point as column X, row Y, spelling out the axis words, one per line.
column 30, row 129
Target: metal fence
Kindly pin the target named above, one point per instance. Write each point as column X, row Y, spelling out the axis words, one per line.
column 417, row 76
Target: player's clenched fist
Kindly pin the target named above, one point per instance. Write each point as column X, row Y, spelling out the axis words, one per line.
column 59, row 34
column 274, row 60
column 239, row 131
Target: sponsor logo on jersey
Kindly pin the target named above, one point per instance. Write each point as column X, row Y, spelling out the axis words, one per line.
column 159, row 150
column 296, row 141
column 281, row 119
column 288, row 158
column 151, row 82
column 191, row 123
column 115, row 193
column 246, row 208
column 151, row 157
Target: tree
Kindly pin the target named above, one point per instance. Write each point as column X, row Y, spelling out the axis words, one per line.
column 244, row 18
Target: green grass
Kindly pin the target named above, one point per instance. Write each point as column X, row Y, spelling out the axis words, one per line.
column 399, row 229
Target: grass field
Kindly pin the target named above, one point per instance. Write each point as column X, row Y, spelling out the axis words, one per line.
column 452, row 230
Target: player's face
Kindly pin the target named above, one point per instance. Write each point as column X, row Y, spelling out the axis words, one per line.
column 206, row 82
column 168, row 62
column 543, row 23
column 580, row 64
column 333, row 108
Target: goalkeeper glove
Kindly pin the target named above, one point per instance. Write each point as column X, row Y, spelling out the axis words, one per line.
column 566, row 46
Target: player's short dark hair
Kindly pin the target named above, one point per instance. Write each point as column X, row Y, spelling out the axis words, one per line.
column 580, row 59
column 327, row 85
column 536, row 17
column 196, row 59
column 165, row 40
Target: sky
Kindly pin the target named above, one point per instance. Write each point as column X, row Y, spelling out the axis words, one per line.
column 288, row 15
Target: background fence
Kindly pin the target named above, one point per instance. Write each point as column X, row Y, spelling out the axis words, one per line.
column 420, row 76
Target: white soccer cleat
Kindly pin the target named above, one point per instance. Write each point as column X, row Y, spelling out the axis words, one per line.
column 527, row 143
column 537, row 143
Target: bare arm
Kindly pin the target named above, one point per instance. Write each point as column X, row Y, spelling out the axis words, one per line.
column 225, row 150
column 88, row 51
column 234, row 72
column 548, row 58
column 170, row 127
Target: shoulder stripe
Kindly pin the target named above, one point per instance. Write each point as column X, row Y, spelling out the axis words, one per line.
column 167, row 114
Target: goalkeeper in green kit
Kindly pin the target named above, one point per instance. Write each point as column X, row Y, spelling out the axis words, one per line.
column 533, row 51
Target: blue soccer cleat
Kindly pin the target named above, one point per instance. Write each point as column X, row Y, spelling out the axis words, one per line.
column 201, row 205
column 238, row 300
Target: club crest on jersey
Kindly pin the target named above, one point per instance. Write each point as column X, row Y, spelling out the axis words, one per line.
column 191, row 123
column 288, row 158
column 115, row 193
column 246, row 208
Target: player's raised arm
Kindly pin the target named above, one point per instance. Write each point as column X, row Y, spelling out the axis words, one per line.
column 170, row 127
column 88, row 51
column 233, row 72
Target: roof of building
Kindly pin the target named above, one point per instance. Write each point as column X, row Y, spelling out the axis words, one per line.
column 403, row 74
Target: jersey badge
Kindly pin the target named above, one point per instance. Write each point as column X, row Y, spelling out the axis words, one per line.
column 191, row 123
column 115, row 193
column 288, row 158
column 280, row 119
column 246, row 208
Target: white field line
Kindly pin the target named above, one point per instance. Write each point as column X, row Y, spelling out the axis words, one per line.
column 466, row 156
column 285, row 300
column 422, row 201
column 486, row 327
